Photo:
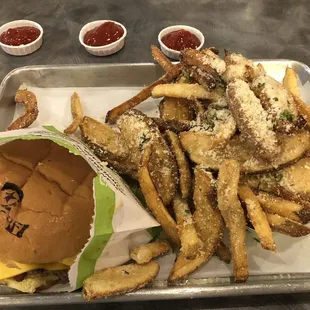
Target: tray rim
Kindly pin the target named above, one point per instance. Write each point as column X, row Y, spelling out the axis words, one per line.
column 257, row 285
column 68, row 66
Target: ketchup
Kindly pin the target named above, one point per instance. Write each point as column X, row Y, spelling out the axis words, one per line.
column 19, row 36
column 180, row 39
column 105, row 34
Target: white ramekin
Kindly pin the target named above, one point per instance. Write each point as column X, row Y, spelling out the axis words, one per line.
column 26, row 49
column 173, row 53
column 104, row 50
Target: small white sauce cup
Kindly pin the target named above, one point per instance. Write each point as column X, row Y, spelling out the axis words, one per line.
column 104, row 50
column 26, row 49
column 173, row 54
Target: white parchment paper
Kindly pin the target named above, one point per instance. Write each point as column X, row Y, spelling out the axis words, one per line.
column 292, row 256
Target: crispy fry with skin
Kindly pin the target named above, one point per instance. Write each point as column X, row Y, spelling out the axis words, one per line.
column 176, row 109
column 209, row 152
column 191, row 245
column 173, row 125
column 186, row 91
column 277, row 102
column 207, row 218
column 232, row 212
column 182, row 162
column 223, row 253
column 108, row 145
column 261, row 68
column 290, row 82
column 162, row 60
column 138, row 130
column 119, row 280
column 29, row 100
column 184, row 267
column 257, row 217
column 252, row 119
column 286, row 208
column 77, row 114
column 153, row 200
column 145, row 93
column 143, row 254
column 286, row 226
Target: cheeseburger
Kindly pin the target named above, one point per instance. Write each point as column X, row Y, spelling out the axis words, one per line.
column 46, row 209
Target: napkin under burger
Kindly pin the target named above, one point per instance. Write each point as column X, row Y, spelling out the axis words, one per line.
column 46, row 209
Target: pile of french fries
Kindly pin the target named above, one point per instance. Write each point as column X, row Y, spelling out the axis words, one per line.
column 230, row 150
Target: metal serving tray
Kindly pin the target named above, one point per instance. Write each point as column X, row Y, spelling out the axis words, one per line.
column 139, row 75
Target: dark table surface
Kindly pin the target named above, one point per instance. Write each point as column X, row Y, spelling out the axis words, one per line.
column 257, row 28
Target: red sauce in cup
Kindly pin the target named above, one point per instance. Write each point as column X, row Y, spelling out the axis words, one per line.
column 105, row 34
column 180, row 39
column 19, row 36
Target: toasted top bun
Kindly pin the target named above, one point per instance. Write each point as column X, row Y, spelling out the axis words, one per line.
column 52, row 221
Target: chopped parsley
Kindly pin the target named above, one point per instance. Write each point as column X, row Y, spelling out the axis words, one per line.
column 144, row 139
column 286, row 115
column 261, row 85
column 276, row 99
column 186, row 75
column 187, row 211
column 279, row 177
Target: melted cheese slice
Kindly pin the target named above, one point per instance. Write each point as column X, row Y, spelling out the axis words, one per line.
column 13, row 269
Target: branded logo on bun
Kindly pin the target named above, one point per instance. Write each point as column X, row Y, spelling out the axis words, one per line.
column 10, row 198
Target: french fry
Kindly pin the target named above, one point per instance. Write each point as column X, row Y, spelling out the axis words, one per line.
column 77, row 114
column 257, row 217
column 223, row 253
column 207, row 218
column 261, row 68
column 191, row 245
column 143, row 254
column 176, row 109
column 290, row 82
column 232, row 212
column 173, row 125
column 153, row 200
column 119, row 280
column 184, row 267
column 186, row 91
column 286, row 226
column 145, row 93
column 162, row 60
column 29, row 100
column 286, row 208
column 182, row 162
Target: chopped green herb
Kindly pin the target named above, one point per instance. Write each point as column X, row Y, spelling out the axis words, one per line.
column 213, row 116
column 279, row 177
column 261, row 85
column 187, row 212
column 144, row 139
column 186, row 75
column 256, row 239
column 161, row 161
column 286, row 115
column 276, row 99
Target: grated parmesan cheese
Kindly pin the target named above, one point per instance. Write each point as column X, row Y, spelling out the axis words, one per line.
column 250, row 116
column 214, row 61
column 278, row 97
